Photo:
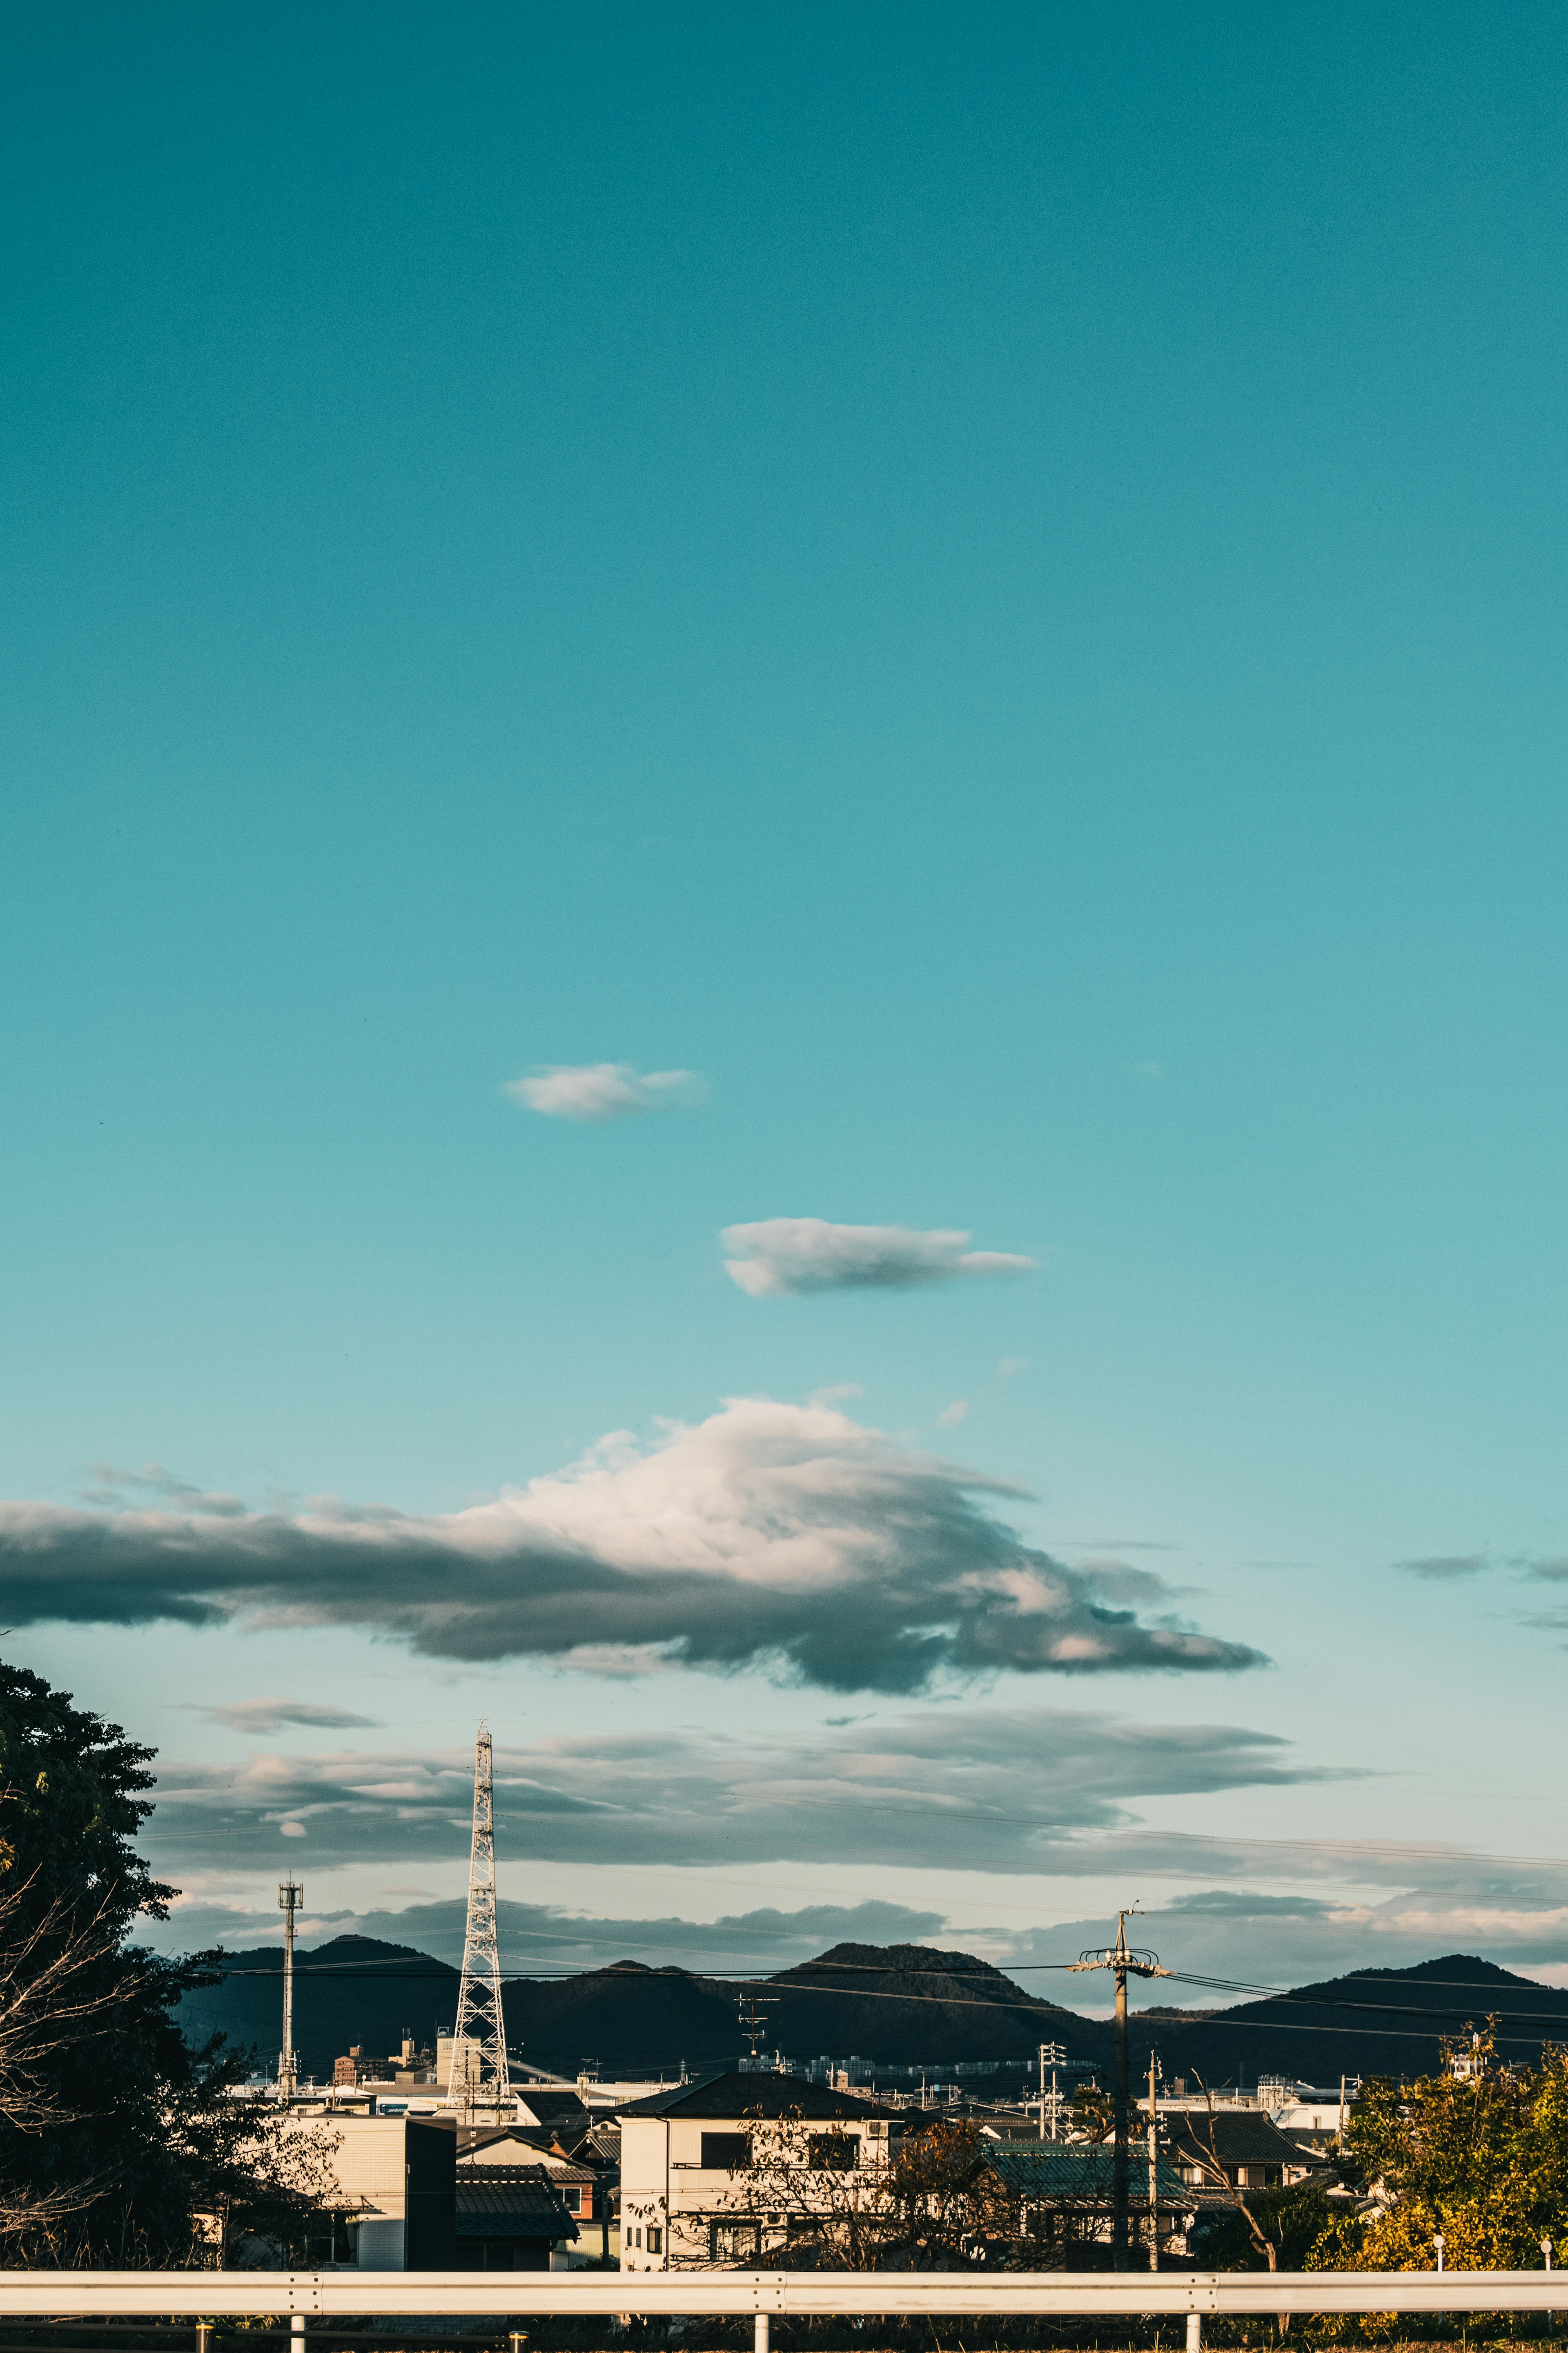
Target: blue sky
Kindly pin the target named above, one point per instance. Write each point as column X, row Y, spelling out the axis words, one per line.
column 992, row 584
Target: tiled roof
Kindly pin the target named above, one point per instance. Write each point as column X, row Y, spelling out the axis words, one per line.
column 734, row 2097
column 1087, row 2169
column 522, row 2206
column 562, row 2170
column 1241, row 2136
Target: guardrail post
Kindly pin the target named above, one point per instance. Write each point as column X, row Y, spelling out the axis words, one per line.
column 1194, row 2332
column 762, row 2333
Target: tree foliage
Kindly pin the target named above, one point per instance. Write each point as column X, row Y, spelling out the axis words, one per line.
column 1480, row 2159
column 119, row 2145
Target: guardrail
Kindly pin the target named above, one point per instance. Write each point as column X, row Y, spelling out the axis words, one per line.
column 762, row 2295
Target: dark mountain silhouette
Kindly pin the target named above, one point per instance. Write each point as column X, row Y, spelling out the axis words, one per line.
column 895, row 2005
column 907, row 2004
column 1373, row 2022
column 351, row 1989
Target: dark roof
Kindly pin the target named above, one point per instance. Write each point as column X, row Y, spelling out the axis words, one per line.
column 478, row 2170
column 1241, row 2136
column 520, row 2206
column 553, row 2106
column 1077, row 2168
column 736, row 2096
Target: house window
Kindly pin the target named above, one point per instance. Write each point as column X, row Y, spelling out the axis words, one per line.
column 637, row 2238
column 838, row 2152
column 734, row 2243
column 722, row 2152
column 655, row 2242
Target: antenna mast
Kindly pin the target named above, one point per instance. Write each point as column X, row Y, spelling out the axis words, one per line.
column 479, row 2076
column 289, row 1897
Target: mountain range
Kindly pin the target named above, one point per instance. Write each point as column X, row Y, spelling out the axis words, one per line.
column 899, row 2005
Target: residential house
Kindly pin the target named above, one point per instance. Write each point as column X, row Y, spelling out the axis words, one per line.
column 688, row 2184
column 510, row 2218
column 1234, row 2149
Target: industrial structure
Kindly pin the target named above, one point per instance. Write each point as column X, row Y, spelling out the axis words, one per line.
column 479, row 2078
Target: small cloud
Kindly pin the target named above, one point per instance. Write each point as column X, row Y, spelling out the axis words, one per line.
column 597, row 1091
column 1148, row 1069
column 167, row 1486
column 957, row 1411
column 835, row 1393
column 1551, row 1572
column 260, row 1716
column 1236, row 1903
column 1011, row 1367
column 781, row 1256
column 1444, row 1568
column 293, row 1830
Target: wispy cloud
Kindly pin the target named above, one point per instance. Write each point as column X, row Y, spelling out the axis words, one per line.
column 113, row 1487
column 950, row 1415
column 260, row 1717
column 597, row 1091
column 782, row 1536
column 976, row 1788
column 1445, row 1568
column 778, row 1256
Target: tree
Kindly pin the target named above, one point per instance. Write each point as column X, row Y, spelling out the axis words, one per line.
column 116, row 2138
column 1478, row 2155
column 807, row 2191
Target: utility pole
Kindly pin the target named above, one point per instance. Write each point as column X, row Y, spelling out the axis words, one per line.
column 1123, row 1962
column 481, row 2026
column 1051, row 2054
column 753, row 2025
column 1154, row 2168
column 288, row 1897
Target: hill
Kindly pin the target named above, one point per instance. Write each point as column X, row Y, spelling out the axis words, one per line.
column 1372, row 2022
column 899, row 2005
column 907, row 2004
column 351, row 1989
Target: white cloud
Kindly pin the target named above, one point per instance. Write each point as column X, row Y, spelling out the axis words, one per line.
column 780, row 1255
column 952, row 1414
column 782, row 1536
column 597, row 1091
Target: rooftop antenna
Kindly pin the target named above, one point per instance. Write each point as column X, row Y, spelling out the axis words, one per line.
column 288, row 1897
column 479, row 2075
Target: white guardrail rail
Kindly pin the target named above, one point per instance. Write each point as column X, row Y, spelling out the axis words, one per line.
column 762, row 2295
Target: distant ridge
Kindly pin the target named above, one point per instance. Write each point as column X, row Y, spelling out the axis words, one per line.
column 903, row 2005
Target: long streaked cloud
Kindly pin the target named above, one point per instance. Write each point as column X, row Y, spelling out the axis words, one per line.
column 260, row 1716
column 544, row 1934
column 1445, row 1568
column 780, row 1536
column 981, row 1789
column 597, row 1091
column 1235, row 1934
column 787, row 1256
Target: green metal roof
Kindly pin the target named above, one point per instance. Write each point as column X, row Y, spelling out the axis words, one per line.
column 1078, row 2168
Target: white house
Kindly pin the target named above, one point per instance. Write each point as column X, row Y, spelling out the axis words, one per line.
column 685, row 2151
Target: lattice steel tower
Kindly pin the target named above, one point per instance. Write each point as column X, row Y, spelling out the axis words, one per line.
column 479, row 2076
